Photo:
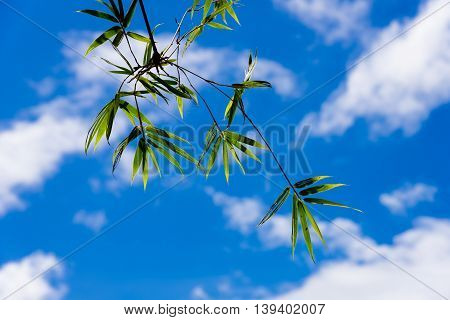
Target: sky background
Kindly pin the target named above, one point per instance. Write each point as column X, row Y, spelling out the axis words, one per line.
column 381, row 127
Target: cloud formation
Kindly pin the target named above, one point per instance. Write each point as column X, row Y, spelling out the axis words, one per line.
column 91, row 220
column 399, row 86
column 408, row 196
column 16, row 273
column 360, row 273
column 335, row 20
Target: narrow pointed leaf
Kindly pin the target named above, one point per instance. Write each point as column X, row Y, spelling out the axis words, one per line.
column 294, row 223
column 226, row 167
column 129, row 15
column 309, row 181
column 328, row 203
column 276, row 205
column 305, row 228
column 99, row 14
column 103, row 38
column 321, row 188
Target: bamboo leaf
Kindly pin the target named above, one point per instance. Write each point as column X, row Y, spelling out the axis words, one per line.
column 276, row 205
column 328, row 203
column 180, row 106
column 118, row 39
column 206, row 8
column 232, row 13
column 217, row 25
column 314, row 224
column 154, row 160
column 235, row 156
column 226, row 166
column 99, row 14
column 309, row 181
column 103, row 38
column 137, row 161
column 213, row 155
column 122, row 146
column 129, row 15
column 245, row 140
column 321, row 188
column 305, row 228
column 294, row 223
column 138, row 37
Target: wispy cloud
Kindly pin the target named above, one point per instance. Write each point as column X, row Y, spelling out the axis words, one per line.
column 91, row 220
column 423, row 251
column 408, row 196
column 399, row 86
column 242, row 214
column 14, row 274
column 335, row 20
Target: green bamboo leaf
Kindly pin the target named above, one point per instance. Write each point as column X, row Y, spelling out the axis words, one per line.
column 129, row 15
column 321, row 188
column 305, row 228
column 226, row 167
column 118, row 39
column 99, row 14
column 232, row 13
column 114, row 8
column 138, row 37
column 154, row 160
column 145, row 165
column 165, row 134
column 213, row 155
column 235, row 156
column 209, row 139
column 245, row 140
column 314, row 224
column 217, row 25
column 276, row 205
column 294, row 223
column 132, row 111
column 137, row 161
column 167, row 85
column 168, row 156
column 206, row 8
column 309, row 181
column 194, row 6
column 252, row 84
column 103, row 38
column 123, row 145
column 328, row 203
column 171, row 146
column 180, row 106
column 245, row 150
column 111, row 117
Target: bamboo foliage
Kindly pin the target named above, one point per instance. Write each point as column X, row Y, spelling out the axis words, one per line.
column 159, row 76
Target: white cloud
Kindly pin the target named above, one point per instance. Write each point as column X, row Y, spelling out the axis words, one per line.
column 242, row 213
column 16, row 273
column 335, row 20
column 424, row 251
column 32, row 150
column 408, row 196
column 44, row 87
column 400, row 85
column 276, row 232
column 91, row 220
column 199, row 293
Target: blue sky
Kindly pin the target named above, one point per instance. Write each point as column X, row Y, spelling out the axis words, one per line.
column 381, row 127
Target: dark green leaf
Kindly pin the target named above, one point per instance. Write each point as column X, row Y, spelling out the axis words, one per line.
column 276, row 205
column 309, row 181
column 99, row 14
column 129, row 15
column 103, row 38
column 328, row 203
column 306, row 235
column 321, row 188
